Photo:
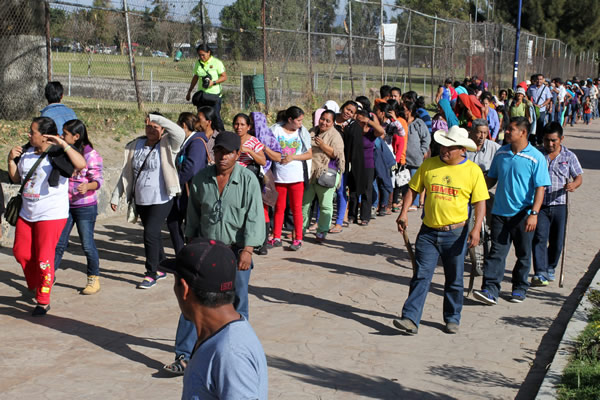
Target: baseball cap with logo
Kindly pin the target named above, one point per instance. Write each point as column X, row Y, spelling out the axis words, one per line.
column 206, row 265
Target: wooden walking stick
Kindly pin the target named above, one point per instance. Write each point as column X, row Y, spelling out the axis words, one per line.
column 561, row 279
column 409, row 249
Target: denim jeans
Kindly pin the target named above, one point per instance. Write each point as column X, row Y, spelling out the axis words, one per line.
column 412, row 171
column 507, row 231
column 430, row 245
column 85, row 219
column 548, row 239
column 342, row 200
column 186, row 335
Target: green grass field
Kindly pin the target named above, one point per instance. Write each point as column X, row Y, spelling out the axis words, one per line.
column 295, row 78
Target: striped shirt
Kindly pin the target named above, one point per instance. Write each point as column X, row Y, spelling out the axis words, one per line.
column 253, row 144
column 563, row 168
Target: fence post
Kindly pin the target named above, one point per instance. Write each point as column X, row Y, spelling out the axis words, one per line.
column 311, row 82
column 151, row 87
column 241, row 90
column 470, row 48
column 69, row 91
column 433, row 54
column 341, row 86
column 544, row 54
column 382, row 41
column 351, row 47
column 131, row 57
column 501, row 51
column 48, row 44
column 264, row 37
column 364, row 83
column 452, row 54
column 409, row 51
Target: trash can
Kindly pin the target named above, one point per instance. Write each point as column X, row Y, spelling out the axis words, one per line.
column 254, row 89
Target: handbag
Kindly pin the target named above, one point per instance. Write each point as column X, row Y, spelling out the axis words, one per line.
column 402, row 177
column 329, row 176
column 13, row 208
column 132, row 214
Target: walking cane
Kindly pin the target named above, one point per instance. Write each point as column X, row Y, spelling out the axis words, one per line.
column 561, row 279
column 409, row 250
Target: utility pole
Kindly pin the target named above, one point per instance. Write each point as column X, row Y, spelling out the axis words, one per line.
column 516, row 67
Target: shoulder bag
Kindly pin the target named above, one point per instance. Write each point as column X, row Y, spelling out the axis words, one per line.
column 132, row 214
column 328, row 177
column 13, row 208
column 201, row 98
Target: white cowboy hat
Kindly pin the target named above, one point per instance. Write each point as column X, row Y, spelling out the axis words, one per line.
column 456, row 136
column 332, row 105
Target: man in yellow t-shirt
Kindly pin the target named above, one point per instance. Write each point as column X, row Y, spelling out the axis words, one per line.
column 451, row 183
column 209, row 73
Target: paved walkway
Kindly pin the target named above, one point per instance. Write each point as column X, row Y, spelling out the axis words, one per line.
column 323, row 315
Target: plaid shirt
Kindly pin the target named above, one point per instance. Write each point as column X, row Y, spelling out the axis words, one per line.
column 91, row 173
column 564, row 166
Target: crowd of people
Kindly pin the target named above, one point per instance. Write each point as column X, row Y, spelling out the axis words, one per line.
column 231, row 195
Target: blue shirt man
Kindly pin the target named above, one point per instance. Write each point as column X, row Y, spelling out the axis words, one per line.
column 521, row 172
column 55, row 110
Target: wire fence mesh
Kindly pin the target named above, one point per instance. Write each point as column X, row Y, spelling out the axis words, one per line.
column 315, row 50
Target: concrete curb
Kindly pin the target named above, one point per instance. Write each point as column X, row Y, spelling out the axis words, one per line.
column 577, row 323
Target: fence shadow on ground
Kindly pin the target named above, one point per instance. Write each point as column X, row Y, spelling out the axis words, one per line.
column 369, row 386
column 471, row 375
column 589, row 159
column 277, row 295
column 119, row 343
column 551, row 340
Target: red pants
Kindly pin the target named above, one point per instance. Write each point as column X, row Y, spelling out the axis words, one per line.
column 296, row 192
column 34, row 248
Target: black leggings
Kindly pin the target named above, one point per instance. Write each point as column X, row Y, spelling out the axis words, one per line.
column 153, row 217
column 366, row 201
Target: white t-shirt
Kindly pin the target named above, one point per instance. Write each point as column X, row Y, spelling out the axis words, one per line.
column 290, row 143
column 42, row 202
column 562, row 92
column 150, row 186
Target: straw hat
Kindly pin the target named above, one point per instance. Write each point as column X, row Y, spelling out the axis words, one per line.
column 456, row 136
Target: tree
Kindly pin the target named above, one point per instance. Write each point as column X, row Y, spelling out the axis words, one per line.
column 238, row 20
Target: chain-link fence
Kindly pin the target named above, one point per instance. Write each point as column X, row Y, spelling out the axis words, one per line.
column 314, row 50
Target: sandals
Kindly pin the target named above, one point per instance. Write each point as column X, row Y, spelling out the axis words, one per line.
column 178, row 366
column 412, row 208
column 313, row 227
column 336, row 229
column 346, row 224
column 364, row 223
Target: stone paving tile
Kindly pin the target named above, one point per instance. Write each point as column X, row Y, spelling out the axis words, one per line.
column 323, row 315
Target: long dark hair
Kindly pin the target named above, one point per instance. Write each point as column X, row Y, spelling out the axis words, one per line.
column 210, row 115
column 76, row 127
column 188, row 119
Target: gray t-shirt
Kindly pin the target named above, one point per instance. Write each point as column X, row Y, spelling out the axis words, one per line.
column 485, row 155
column 150, row 186
column 231, row 364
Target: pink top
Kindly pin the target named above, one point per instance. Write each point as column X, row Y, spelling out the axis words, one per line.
column 253, row 144
column 91, row 173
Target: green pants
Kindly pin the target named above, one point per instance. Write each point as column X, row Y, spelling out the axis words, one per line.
column 325, row 197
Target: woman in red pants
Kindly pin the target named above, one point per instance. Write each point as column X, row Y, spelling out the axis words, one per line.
column 45, row 206
column 289, row 173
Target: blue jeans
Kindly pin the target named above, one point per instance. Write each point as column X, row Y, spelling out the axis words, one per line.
column 507, row 231
column 548, row 239
column 412, row 171
column 186, row 335
column 586, row 118
column 85, row 219
column 342, row 201
column 430, row 245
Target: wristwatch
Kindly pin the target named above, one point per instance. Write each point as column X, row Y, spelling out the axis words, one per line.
column 532, row 212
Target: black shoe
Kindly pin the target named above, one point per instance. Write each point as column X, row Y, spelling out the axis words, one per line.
column 262, row 250
column 40, row 311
